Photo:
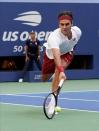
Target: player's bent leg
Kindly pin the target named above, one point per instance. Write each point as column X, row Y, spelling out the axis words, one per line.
column 48, row 68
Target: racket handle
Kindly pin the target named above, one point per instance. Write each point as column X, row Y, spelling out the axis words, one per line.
column 61, row 82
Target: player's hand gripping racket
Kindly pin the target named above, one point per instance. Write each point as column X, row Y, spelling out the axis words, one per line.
column 50, row 102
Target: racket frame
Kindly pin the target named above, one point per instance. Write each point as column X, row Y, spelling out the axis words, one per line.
column 44, row 105
column 56, row 99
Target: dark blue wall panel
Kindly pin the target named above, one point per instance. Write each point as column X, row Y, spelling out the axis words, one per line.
column 13, row 33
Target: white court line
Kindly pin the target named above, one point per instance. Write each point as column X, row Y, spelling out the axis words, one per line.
column 43, row 97
column 42, row 106
column 78, row 99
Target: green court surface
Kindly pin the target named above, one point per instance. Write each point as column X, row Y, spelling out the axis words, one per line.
column 29, row 118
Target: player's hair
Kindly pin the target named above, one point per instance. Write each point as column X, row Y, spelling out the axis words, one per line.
column 66, row 13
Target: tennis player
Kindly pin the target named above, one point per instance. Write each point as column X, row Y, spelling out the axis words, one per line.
column 59, row 51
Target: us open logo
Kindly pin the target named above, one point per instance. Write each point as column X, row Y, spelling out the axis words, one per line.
column 32, row 18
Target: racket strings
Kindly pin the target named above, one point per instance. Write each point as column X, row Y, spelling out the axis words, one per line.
column 51, row 101
column 50, row 105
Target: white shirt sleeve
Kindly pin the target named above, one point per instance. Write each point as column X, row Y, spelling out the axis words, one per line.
column 77, row 32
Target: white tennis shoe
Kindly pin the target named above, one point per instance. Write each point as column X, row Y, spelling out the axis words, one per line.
column 20, row 80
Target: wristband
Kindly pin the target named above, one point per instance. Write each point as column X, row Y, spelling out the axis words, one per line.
column 60, row 68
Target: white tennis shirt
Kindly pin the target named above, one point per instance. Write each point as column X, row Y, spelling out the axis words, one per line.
column 58, row 40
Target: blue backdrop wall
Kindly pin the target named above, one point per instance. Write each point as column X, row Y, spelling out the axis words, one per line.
column 18, row 19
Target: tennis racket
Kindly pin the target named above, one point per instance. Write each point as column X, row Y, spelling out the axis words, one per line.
column 50, row 102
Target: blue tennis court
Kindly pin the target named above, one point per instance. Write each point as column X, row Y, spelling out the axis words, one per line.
column 78, row 100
